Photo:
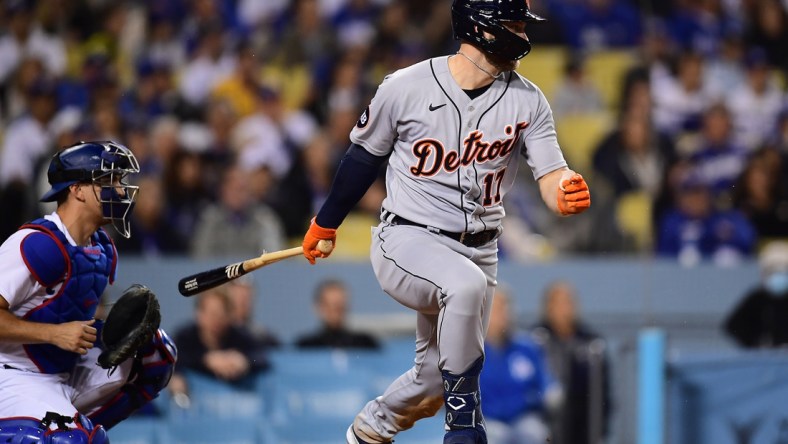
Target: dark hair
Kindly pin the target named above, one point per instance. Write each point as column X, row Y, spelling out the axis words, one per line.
column 325, row 285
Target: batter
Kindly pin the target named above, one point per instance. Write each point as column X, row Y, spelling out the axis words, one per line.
column 451, row 129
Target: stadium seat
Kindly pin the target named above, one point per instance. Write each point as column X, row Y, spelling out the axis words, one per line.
column 216, row 398
column 211, row 430
column 313, row 431
column 606, row 69
column 633, row 214
column 544, row 67
column 300, row 397
column 579, row 136
column 135, row 431
column 356, row 236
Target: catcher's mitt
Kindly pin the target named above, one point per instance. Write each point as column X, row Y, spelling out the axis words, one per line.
column 130, row 324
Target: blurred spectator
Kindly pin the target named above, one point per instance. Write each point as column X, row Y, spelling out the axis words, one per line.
column 151, row 95
column 153, row 234
column 714, row 156
column 27, row 140
column 257, row 138
column 634, row 157
column 26, row 39
column 242, row 294
column 577, row 357
column 767, row 27
column 701, row 25
column 680, row 99
column 725, row 72
column 213, row 346
column 241, row 87
column 235, row 225
column 755, row 104
column 762, row 194
column 516, row 383
column 185, row 191
column 760, row 320
column 252, row 13
column 354, row 23
column 330, row 305
column 575, row 95
column 209, row 63
column 598, row 24
column 306, row 39
column 694, row 230
column 163, row 45
column 14, row 91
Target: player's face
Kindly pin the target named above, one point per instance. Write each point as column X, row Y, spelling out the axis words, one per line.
column 500, row 63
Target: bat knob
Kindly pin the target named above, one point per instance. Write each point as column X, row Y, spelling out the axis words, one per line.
column 325, row 246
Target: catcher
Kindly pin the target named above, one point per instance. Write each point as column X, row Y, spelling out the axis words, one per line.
column 64, row 376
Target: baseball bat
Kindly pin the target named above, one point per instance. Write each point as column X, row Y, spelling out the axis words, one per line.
column 205, row 280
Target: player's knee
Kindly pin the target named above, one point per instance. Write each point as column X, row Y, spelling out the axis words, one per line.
column 468, row 293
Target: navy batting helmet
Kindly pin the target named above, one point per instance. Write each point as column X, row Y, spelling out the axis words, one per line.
column 472, row 18
column 106, row 164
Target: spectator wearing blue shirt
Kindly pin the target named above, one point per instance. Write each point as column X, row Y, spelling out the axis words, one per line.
column 694, row 230
column 516, row 384
column 599, row 24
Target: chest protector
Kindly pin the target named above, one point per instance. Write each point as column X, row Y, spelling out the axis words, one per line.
column 84, row 271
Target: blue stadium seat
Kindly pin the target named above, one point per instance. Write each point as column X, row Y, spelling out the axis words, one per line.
column 314, row 397
column 214, row 398
column 211, row 430
column 324, row 361
column 135, row 431
column 310, row 432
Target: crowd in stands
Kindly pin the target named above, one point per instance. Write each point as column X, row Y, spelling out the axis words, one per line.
column 239, row 111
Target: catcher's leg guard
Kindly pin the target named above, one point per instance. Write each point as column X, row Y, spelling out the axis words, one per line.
column 32, row 431
column 461, row 395
column 152, row 370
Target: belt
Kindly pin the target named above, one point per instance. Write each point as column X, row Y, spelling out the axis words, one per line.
column 466, row 238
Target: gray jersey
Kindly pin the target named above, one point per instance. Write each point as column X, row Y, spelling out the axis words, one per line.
column 452, row 157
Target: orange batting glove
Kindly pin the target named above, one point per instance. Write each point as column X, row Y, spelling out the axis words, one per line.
column 573, row 196
column 315, row 234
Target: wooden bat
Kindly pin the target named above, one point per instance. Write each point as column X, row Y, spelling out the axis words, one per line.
column 205, row 280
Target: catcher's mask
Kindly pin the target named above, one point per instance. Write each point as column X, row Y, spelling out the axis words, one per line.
column 106, row 164
column 472, row 18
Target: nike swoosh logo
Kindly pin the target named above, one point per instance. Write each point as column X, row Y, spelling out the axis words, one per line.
column 433, row 108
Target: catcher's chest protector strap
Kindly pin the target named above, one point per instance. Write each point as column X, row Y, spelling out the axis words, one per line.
column 88, row 271
column 64, row 430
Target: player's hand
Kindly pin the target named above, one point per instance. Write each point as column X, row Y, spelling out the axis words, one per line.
column 226, row 364
column 315, row 234
column 75, row 336
column 573, row 195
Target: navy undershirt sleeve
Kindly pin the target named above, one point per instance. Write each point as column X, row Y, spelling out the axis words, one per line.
column 356, row 173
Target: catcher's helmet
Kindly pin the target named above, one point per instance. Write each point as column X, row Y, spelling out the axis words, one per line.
column 106, row 164
column 472, row 18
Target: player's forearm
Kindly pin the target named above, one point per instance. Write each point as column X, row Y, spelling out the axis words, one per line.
column 16, row 330
column 355, row 175
column 548, row 187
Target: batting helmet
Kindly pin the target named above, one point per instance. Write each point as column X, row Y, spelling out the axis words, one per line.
column 106, row 164
column 472, row 18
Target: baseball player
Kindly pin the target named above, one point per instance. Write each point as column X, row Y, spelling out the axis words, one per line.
column 451, row 129
column 53, row 273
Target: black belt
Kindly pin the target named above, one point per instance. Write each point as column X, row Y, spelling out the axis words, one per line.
column 472, row 240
